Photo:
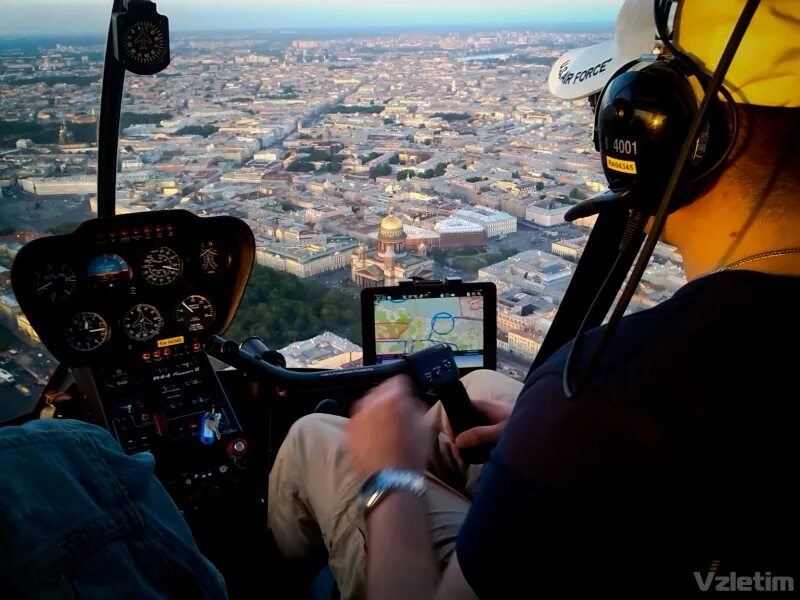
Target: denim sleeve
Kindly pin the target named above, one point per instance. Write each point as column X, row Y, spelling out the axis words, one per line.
column 80, row 519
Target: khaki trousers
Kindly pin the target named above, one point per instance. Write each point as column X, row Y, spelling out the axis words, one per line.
column 313, row 489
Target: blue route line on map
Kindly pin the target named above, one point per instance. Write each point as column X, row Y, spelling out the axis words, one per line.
column 437, row 317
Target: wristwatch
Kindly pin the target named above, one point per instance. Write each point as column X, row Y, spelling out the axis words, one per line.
column 379, row 485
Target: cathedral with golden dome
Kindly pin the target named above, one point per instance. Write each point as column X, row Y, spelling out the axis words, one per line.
column 390, row 261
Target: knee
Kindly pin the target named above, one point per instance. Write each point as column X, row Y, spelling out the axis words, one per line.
column 315, row 437
column 491, row 385
column 476, row 378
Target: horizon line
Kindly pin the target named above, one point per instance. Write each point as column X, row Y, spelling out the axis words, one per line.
column 562, row 27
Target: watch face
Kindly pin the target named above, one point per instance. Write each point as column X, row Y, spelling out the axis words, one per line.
column 144, row 42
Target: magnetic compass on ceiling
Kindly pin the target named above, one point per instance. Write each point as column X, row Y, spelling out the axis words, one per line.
column 141, row 38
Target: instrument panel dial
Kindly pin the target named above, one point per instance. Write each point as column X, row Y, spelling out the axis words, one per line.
column 214, row 260
column 87, row 331
column 161, row 266
column 54, row 283
column 195, row 313
column 108, row 268
column 142, row 322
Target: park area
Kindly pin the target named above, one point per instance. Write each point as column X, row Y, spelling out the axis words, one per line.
column 471, row 259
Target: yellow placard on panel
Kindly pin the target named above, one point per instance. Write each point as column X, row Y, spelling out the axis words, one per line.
column 623, row 166
column 174, row 341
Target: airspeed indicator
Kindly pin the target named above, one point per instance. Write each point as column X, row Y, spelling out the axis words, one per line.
column 161, row 266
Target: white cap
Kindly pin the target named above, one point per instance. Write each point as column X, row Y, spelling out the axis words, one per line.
column 585, row 71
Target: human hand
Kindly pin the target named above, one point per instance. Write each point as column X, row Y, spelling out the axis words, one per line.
column 388, row 429
column 496, row 415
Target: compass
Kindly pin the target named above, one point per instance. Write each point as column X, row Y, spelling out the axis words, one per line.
column 141, row 39
column 144, row 42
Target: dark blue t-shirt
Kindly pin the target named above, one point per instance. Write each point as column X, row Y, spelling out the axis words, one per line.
column 682, row 452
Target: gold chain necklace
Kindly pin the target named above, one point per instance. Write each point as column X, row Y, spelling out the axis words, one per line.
column 755, row 257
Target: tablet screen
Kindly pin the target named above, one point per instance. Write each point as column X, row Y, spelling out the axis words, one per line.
column 407, row 320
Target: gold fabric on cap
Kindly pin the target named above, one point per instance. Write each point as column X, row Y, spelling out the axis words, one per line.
column 766, row 69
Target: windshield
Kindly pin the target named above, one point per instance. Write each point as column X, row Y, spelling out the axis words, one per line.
column 321, row 135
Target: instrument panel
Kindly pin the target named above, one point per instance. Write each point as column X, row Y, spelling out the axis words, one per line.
column 134, row 286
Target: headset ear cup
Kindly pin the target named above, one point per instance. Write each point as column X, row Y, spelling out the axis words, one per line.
column 640, row 139
column 598, row 102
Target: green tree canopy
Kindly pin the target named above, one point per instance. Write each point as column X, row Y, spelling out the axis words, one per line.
column 379, row 171
column 281, row 309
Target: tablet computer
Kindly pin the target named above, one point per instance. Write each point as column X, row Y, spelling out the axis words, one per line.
column 399, row 320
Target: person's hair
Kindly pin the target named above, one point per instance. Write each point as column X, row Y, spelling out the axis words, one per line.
column 766, row 159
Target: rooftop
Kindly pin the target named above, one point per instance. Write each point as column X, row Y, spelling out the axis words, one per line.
column 318, row 349
column 483, row 214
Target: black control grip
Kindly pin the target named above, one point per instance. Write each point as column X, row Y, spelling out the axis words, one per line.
column 463, row 415
column 434, row 370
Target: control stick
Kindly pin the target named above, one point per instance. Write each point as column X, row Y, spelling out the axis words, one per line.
column 433, row 370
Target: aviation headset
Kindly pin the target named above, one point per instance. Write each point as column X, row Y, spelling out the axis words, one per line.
column 643, row 117
column 647, row 119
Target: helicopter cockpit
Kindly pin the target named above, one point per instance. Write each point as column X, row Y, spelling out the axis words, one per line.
column 134, row 307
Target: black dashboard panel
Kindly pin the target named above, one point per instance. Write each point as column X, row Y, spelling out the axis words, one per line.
column 133, row 286
column 127, row 302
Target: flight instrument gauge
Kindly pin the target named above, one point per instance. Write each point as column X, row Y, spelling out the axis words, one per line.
column 54, row 283
column 195, row 313
column 161, row 266
column 108, row 268
column 213, row 259
column 141, row 38
column 142, row 322
column 87, row 331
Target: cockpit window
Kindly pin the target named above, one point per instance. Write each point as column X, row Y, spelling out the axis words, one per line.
column 49, row 105
column 333, row 143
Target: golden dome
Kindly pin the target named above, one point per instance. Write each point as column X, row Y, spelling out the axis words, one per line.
column 391, row 223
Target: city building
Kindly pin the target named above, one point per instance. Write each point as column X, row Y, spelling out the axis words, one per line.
column 494, row 222
column 325, row 351
column 524, row 343
column 390, row 262
column 25, row 328
column 55, row 186
column 547, row 212
column 571, row 249
column 9, row 310
column 458, row 233
column 532, row 272
column 308, row 258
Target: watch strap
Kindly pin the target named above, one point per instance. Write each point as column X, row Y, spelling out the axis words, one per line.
column 379, row 485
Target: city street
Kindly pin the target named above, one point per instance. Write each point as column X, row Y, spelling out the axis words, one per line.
column 512, row 365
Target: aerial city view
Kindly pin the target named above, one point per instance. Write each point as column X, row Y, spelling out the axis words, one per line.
column 358, row 158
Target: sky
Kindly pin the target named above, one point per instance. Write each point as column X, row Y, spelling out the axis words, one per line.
column 48, row 17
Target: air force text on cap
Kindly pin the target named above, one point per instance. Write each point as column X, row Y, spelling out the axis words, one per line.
column 570, row 77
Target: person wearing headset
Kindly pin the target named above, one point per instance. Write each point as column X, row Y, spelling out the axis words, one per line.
column 672, row 472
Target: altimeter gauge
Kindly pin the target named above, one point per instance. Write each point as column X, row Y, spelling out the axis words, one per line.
column 87, row 331
column 142, row 322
